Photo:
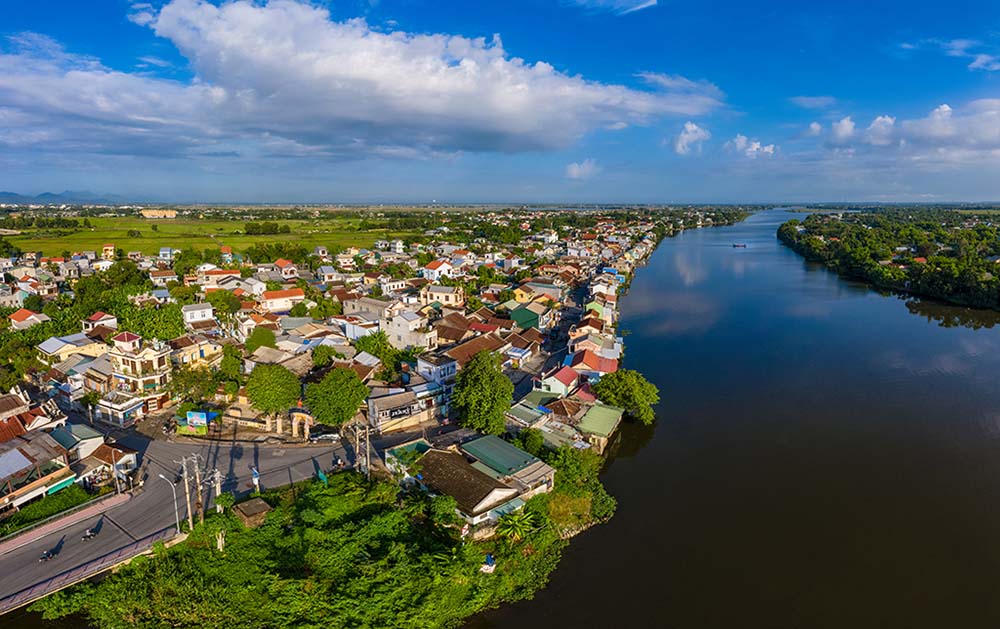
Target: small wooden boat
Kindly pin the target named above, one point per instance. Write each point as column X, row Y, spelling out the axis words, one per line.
column 737, row 245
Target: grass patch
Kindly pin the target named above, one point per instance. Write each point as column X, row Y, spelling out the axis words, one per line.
column 197, row 234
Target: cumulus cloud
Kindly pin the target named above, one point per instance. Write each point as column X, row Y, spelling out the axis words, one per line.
column 690, row 137
column 284, row 77
column 621, row 7
column 944, row 137
column 842, row 130
column 751, row 148
column 582, row 170
column 813, row 102
column 880, row 131
column 815, row 129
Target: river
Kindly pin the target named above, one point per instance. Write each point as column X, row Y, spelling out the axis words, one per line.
column 825, row 456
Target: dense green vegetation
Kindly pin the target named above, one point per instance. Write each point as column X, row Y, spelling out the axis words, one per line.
column 936, row 253
column 72, row 496
column 483, row 394
column 347, row 555
column 336, row 398
column 629, row 389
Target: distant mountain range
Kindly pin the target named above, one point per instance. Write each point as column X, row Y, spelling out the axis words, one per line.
column 70, row 197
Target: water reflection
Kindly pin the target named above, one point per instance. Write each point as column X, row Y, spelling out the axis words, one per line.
column 948, row 316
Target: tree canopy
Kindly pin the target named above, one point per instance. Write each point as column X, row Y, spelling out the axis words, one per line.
column 483, row 394
column 335, row 399
column 260, row 337
column 272, row 389
column 629, row 389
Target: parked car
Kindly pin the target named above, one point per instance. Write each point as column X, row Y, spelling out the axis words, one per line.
column 330, row 436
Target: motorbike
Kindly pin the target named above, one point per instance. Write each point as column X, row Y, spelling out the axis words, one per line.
column 90, row 534
column 45, row 557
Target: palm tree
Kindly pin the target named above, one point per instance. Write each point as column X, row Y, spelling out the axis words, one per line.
column 89, row 401
column 516, row 526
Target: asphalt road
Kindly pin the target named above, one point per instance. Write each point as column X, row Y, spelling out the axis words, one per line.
column 152, row 509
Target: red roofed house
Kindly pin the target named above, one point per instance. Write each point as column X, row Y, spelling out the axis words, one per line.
column 282, row 300
column 287, row 269
column 23, row 319
column 100, row 318
column 587, row 363
column 560, row 382
column 437, row 269
column 227, row 253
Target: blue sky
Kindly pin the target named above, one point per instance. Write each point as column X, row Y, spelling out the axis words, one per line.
column 514, row 101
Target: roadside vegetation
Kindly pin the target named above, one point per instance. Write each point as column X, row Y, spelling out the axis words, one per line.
column 350, row 554
column 72, row 496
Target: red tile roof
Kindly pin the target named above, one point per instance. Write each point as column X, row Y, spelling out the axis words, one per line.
column 592, row 361
column 567, row 376
column 126, row 337
column 21, row 315
column 282, row 294
column 97, row 316
column 282, row 263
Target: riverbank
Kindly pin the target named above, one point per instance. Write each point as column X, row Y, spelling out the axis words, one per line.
column 937, row 254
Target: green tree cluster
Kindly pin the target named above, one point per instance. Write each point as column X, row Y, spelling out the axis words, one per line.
column 483, row 393
column 629, row 389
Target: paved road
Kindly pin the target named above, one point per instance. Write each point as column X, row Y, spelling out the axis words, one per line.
column 152, row 510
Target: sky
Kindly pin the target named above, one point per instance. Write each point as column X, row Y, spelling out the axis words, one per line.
column 528, row 101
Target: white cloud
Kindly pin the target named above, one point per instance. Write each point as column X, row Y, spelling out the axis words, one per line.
column 155, row 61
column 142, row 13
column 813, row 102
column 815, row 129
column 676, row 83
column 284, row 74
column 880, row 131
column 842, row 130
column 690, row 137
column 981, row 56
column 621, row 7
column 582, row 170
column 751, row 148
column 617, row 126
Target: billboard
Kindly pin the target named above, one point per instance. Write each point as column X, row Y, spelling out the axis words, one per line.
column 197, row 418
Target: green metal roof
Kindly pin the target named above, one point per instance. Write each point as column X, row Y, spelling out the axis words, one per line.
column 540, row 398
column 499, row 455
column 486, row 469
column 601, row 420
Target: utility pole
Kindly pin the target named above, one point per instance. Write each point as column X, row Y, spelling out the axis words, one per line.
column 217, row 479
column 368, row 451
column 357, row 446
column 198, row 504
column 187, row 493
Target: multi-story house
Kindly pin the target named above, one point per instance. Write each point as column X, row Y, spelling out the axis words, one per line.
column 409, row 330
column 140, row 374
column 447, row 296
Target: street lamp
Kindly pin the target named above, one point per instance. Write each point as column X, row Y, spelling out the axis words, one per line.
column 177, row 516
